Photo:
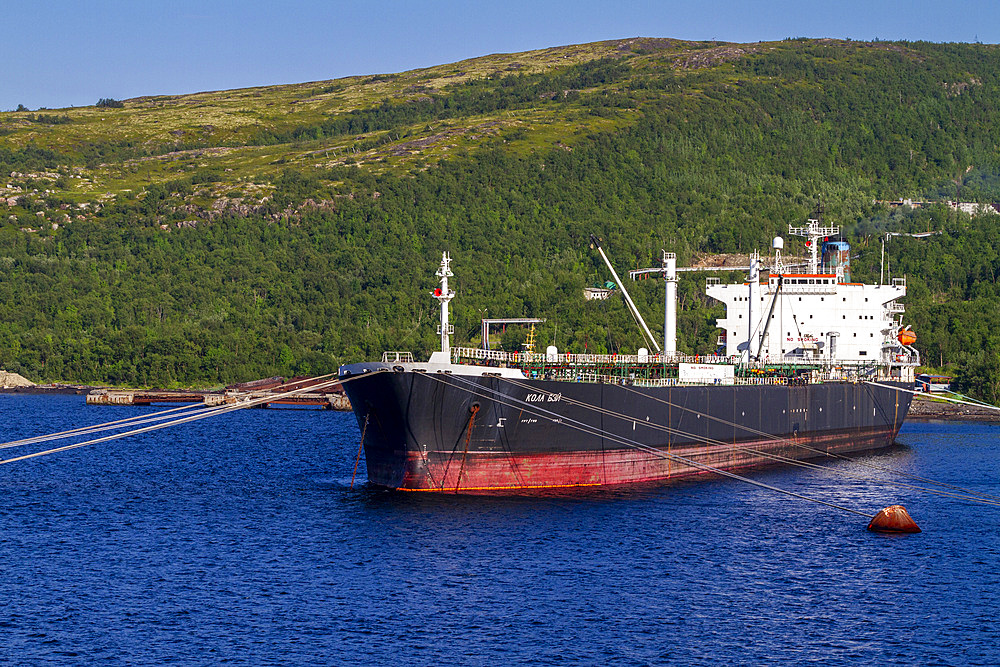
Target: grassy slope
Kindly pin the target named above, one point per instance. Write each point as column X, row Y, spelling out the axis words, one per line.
column 182, row 133
column 221, row 123
column 178, row 134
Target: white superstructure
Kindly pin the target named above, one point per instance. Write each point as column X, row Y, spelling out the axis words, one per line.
column 812, row 316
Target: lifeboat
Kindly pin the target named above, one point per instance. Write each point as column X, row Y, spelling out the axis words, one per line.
column 907, row 336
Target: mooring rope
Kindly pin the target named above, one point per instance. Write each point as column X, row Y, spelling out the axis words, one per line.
column 361, row 446
column 190, row 418
column 107, row 426
column 591, row 430
column 939, row 398
column 468, row 436
column 966, row 495
column 834, row 455
column 973, row 401
column 963, row 493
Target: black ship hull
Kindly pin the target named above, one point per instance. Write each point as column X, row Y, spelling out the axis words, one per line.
column 485, row 434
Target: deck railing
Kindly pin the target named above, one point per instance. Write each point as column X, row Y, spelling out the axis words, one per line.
column 656, row 370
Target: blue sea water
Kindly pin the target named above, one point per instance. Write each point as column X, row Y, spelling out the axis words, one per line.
column 238, row 540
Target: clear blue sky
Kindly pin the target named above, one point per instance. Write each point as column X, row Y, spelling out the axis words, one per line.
column 60, row 53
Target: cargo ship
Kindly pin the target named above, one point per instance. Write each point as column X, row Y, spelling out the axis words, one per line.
column 809, row 365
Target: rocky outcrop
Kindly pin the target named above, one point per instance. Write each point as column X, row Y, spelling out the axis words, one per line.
column 924, row 407
column 11, row 380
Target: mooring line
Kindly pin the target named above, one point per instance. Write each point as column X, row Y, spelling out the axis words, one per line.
column 590, row 430
column 361, row 446
column 107, row 426
column 834, row 455
column 939, row 398
column 190, row 418
column 468, row 436
column 963, row 493
column 968, row 496
column 973, row 401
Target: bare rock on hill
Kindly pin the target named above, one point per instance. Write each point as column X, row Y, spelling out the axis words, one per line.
column 10, row 380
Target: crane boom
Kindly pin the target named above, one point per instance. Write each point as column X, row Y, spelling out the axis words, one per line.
column 628, row 299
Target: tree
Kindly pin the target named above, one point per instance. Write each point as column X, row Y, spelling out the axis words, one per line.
column 979, row 376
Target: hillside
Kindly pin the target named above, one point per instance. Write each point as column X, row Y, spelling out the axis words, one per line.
column 258, row 132
column 218, row 236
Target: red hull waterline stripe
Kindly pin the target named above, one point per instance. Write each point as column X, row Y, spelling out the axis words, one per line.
column 493, row 472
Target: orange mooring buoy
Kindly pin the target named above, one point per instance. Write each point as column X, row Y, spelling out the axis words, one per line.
column 893, row 519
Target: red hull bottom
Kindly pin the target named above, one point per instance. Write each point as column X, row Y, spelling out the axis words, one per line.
column 492, row 473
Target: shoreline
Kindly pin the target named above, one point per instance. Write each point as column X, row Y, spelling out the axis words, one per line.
column 50, row 389
column 104, row 396
column 924, row 409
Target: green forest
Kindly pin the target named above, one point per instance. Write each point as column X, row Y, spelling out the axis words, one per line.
column 693, row 148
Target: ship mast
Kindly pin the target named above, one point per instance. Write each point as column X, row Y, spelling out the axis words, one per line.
column 813, row 232
column 753, row 284
column 443, row 294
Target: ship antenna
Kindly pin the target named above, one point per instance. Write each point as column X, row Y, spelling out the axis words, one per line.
column 443, row 294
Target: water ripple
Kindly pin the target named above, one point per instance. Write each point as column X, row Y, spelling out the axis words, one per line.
column 239, row 541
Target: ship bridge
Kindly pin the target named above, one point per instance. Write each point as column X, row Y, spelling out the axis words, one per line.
column 821, row 319
column 817, row 315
